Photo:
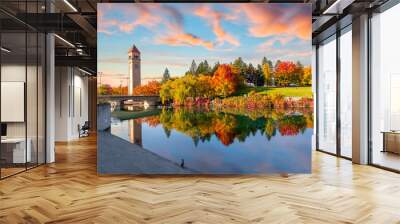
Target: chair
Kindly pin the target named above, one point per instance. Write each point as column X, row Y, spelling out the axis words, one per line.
column 84, row 130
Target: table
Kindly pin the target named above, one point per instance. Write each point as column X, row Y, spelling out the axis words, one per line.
column 391, row 141
column 16, row 147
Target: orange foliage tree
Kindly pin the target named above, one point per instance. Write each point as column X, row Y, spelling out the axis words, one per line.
column 306, row 78
column 150, row 89
column 104, row 89
column 225, row 80
column 120, row 90
column 285, row 73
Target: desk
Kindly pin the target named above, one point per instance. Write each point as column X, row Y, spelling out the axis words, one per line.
column 391, row 141
column 16, row 147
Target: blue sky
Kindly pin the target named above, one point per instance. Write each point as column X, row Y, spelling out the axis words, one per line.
column 172, row 35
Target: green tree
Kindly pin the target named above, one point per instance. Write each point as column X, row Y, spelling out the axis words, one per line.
column 207, row 68
column 166, row 75
column 297, row 77
column 251, row 75
column 214, row 68
column 241, row 66
column 264, row 61
column 203, row 68
column 200, row 68
column 193, row 68
column 259, row 76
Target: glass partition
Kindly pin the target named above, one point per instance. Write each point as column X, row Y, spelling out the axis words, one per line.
column 385, row 89
column 22, row 77
column 13, row 117
column 327, row 96
column 346, row 93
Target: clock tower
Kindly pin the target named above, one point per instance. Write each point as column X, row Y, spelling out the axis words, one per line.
column 134, row 69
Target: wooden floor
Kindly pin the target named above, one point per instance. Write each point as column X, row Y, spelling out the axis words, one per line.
column 70, row 191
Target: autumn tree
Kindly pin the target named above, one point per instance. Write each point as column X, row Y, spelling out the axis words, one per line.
column 224, row 81
column 104, row 89
column 306, row 78
column 277, row 64
column 150, row 89
column 267, row 73
column 188, row 86
column 283, row 73
column 204, row 85
column 166, row 91
column 120, row 90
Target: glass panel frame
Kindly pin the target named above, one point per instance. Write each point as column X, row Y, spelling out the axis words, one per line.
column 384, row 71
column 24, row 60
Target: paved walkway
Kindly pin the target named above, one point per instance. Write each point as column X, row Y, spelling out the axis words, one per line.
column 118, row 156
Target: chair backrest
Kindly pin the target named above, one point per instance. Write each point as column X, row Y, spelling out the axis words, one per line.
column 86, row 125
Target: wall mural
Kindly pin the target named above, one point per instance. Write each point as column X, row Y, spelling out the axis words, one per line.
column 206, row 88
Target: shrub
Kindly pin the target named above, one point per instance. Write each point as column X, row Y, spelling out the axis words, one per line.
column 150, row 89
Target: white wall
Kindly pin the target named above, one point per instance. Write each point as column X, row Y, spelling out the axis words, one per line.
column 71, row 102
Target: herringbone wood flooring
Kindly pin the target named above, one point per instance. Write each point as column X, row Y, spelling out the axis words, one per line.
column 70, row 191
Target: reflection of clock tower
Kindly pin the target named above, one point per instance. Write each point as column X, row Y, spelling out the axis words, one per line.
column 134, row 69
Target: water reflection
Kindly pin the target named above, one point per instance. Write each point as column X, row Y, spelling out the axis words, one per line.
column 223, row 141
column 135, row 132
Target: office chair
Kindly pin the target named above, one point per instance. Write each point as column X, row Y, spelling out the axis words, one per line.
column 84, row 130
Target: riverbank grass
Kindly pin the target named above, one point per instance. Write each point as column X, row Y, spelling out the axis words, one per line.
column 284, row 91
column 125, row 115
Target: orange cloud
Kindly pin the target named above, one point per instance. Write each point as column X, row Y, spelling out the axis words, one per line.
column 185, row 39
column 269, row 19
column 214, row 19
